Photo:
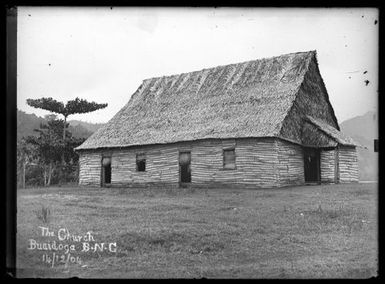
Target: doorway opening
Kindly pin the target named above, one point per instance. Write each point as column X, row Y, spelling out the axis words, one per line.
column 185, row 167
column 106, row 172
column 312, row 165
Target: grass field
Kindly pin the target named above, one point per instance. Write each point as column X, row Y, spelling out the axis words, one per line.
column 327, row 231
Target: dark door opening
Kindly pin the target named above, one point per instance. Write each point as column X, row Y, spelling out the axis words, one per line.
column 185, row 167
column 312, row 165
column 106, row 171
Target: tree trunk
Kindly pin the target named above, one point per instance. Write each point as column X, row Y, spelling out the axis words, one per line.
column 64, row 139
column 45, row 175
column 24, row 162
column 49, row 174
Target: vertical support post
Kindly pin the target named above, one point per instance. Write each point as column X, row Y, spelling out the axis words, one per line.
column 336, row 165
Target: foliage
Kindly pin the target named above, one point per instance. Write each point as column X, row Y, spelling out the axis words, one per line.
column 34, row 175
column 54, row 144
column 48, row 144
column 25, row 151
column 82, row 106
column 72, row 107
column 26, row 155
column 48, row 104
column 47, row 165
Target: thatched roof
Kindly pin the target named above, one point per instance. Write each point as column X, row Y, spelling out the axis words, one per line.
column 249, row 99
column 333, row 133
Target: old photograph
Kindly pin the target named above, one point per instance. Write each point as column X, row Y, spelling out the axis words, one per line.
column 186, row 142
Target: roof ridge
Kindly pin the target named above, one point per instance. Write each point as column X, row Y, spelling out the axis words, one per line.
column 227, row 65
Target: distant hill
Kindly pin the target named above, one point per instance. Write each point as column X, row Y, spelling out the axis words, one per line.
column 27, row 122
column 92, row 127
column 364, row 129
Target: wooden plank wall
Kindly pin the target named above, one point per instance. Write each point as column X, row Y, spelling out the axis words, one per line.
column 89, row 169
column 256, row 164
column 291, row 163
column 328, row 164
column 161, row 166
column 348, row 164
column 260, row 163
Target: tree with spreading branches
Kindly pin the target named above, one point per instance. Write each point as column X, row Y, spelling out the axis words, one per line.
column 49, row 149
column 75, row 106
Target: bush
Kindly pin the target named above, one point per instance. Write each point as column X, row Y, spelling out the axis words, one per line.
column 43, row 214
column 34, row 175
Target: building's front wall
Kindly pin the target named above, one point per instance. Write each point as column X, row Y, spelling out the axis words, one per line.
column 90, row 168
column 290, row 163
column 328, row 165
column 339, row 165
column 348, row 164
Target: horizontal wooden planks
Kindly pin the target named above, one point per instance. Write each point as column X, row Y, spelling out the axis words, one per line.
column 348, row 164
column 256, row 164
column 89, row 169
column 290, row 163
column 265, row 162
column 328, row 164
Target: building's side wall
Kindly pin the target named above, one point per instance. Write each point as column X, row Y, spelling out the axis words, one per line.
column 348, row 164
column 89, row 168
column 161, row 166
column 328, row 165
column 259, row 163
column 291, row 163
column 256, row 164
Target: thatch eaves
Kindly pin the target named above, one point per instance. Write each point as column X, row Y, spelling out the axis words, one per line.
column 249, row 99
column 332, row 132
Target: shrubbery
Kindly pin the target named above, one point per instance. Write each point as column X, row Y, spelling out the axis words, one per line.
column 44, row 160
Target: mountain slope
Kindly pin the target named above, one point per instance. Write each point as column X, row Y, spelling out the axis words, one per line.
column 92, row 127
column 364, row 129
column 27, row 122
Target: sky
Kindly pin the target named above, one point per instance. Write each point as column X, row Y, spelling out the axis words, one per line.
column 102, row 54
